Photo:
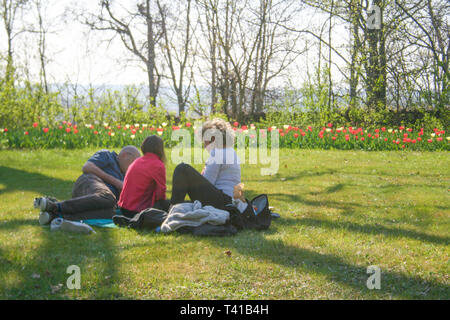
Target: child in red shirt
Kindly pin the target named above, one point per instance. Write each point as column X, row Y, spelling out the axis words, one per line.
column 144, row 185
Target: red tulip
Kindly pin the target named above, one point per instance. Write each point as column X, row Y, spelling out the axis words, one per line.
column 334, row 138
column 60, row 127
column 296, row 135
column 236, row 124
column 244, row 127
column 35, row 124
column 413, row 141
column 95, row 132
column 5, row 130
column 75, row 131
column 330, row 125
column 430, row 140
column 188, row 124
column 68, row 130
column 385, row 139
column 45, row 130
column 26, row 133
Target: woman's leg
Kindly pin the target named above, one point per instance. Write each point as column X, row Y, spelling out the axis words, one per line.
column 188, row 181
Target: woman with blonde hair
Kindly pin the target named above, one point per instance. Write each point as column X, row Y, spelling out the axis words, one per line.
column 222, row 172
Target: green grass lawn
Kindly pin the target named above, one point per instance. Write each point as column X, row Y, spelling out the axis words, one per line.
column 341, row 212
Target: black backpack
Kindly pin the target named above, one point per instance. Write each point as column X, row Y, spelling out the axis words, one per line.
column 257, row 215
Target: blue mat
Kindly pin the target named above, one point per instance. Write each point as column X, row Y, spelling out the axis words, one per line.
column 101, row 223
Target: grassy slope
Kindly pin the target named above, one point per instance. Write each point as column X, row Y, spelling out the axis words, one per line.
column 341, row 212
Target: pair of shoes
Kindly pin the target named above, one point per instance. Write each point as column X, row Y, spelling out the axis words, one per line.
column 121, row 221
column 70, row 226
column 48, row 208
column 47, row 204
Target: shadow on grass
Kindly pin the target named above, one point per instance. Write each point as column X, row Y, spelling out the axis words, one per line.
column 46, row 266
column 346, row 207
column 376, row 229
column 334, row 268
column 19, row 180
column 299, row 175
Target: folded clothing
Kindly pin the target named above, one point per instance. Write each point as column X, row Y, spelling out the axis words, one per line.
column 193, row 215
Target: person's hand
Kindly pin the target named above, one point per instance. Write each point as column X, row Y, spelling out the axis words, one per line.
column 203, row 171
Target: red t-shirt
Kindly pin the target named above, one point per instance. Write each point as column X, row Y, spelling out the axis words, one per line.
column 144, row 184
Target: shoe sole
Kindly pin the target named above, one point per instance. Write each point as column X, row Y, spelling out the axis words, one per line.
column 40, row 203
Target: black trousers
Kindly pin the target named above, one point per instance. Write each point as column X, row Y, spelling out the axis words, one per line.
column 91, row 199
column 188, row 181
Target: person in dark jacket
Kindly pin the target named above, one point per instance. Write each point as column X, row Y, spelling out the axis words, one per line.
column 97, row 190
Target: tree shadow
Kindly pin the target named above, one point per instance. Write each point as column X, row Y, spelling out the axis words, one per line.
column 332, row 189
column 334, row 268
column 44, row 266
column 376, row 229
column 299, row 175
column 347, row 208
column 20, row 180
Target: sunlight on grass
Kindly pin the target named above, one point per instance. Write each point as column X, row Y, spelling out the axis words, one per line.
column 342, row 211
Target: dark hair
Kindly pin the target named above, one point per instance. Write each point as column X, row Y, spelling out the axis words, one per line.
column 154, row 144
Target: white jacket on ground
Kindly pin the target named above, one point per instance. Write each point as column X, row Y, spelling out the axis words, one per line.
column 193, row 215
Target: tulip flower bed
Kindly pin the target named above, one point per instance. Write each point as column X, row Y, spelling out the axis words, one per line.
column 72, row 136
